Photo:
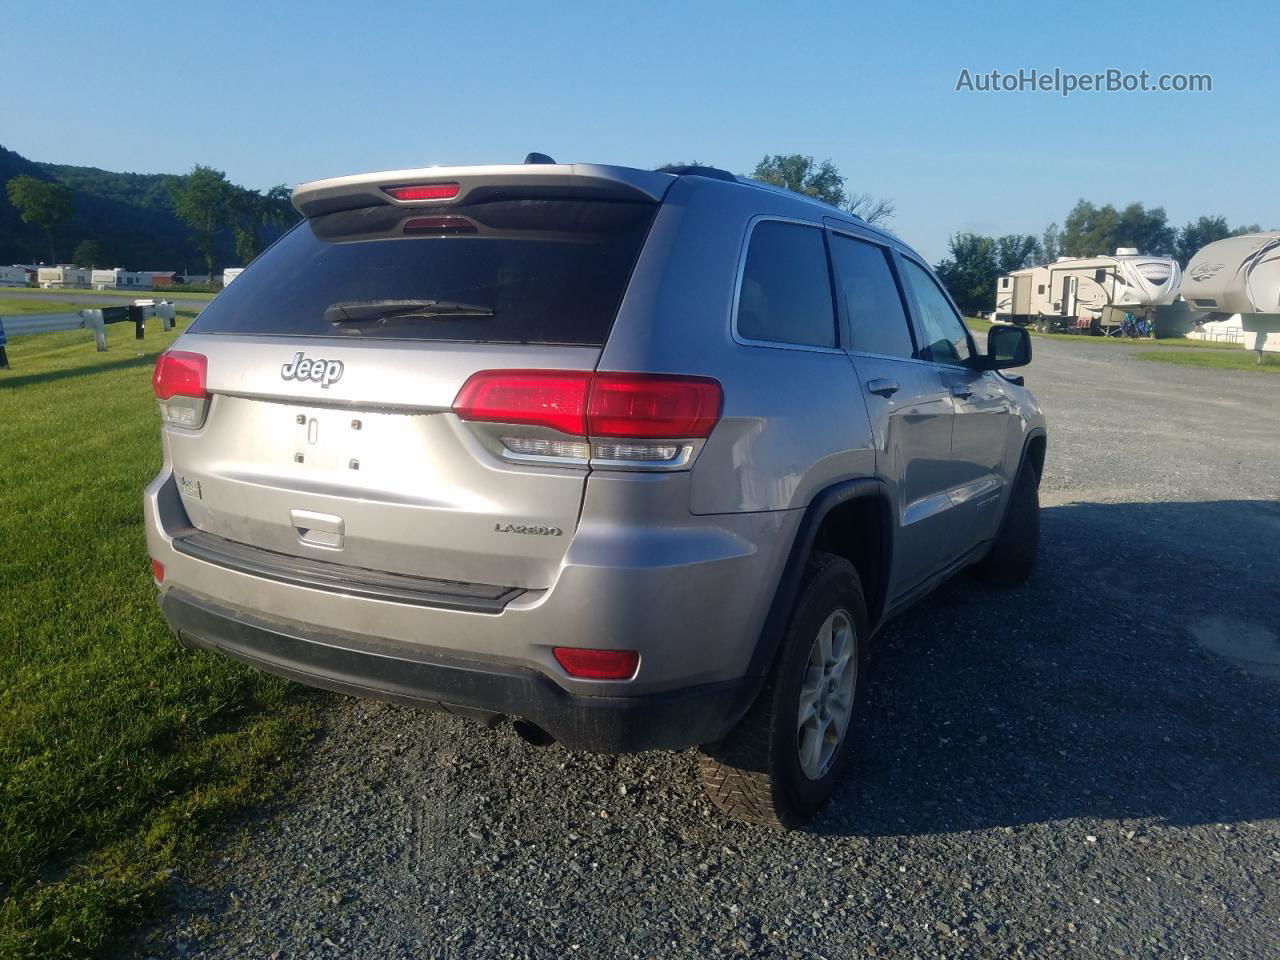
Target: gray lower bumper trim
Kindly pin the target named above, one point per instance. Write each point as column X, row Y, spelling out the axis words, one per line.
column 398, row 672
column 338, row 578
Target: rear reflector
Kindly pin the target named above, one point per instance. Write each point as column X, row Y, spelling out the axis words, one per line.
column 157, row 570
column 626, row 405
column 598, row 664
column 425, row 191
column 179, row 373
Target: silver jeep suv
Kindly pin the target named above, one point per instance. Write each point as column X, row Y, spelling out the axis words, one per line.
column 636, row 459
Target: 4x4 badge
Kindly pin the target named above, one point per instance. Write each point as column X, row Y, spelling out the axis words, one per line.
column 323, row 372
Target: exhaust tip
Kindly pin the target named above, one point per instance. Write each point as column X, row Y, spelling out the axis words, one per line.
column 531, row 733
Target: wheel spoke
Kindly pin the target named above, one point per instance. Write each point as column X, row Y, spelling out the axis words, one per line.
column 838, row 708
column 811, row 749
column 838, row 667
column 824, row 640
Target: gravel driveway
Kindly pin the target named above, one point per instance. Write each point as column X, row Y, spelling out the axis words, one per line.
column 1088, row 766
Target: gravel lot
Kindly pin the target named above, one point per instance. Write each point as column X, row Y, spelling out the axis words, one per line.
column 1088, row 766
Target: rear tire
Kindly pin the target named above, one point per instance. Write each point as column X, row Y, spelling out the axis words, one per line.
column 1013, row 555
column 772, row 768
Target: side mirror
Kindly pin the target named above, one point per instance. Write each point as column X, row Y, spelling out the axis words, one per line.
column 1007, row 346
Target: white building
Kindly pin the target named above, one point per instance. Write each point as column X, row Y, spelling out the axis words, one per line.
column 63, row 276
column 13, row 277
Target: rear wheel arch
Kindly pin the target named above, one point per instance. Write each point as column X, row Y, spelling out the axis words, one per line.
column 851, row 519
column 1033, row 453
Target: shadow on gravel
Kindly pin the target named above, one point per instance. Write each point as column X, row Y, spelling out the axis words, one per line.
column 1132, row 678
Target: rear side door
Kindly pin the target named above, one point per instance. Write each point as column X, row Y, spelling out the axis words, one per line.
column 333, row 366
column 907, row 401
column 982, row 413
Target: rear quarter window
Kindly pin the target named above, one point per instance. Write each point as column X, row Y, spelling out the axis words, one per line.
column 544, row 271
column 785, row 296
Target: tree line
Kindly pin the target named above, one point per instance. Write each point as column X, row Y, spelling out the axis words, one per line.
column 820, row 180
column 205, row 200
column 974, row 261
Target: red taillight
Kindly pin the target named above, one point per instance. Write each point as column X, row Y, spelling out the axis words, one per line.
column 631, row 405
column 598, row 664
column 179, row 373
column 425, row 191
column 157, row 570
column 648, row 407
column 540, row 398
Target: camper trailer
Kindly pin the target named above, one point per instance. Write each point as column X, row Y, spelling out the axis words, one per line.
column 13, row 277
column 64, row 275
column 1240, row 275
column 1089, row 294
column 121, row 279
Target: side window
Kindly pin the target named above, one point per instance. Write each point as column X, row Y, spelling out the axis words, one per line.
column 865, row 285
column 1100, row 276
column 945, row 337
column 1004, row 283
column 786, row 288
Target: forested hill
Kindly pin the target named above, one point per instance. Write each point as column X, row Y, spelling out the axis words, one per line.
column 130, row 214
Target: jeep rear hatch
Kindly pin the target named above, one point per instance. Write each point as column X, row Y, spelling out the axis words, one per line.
column 332, row 366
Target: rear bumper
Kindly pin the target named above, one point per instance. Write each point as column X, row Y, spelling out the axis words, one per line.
column 690, row 596
column 402, row 673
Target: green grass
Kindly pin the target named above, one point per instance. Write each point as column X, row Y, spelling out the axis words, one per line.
column 13, row 306
column 978, row 325
column 1193, row 344
column 120, row 753
column 1218, row 360
column 199, row 293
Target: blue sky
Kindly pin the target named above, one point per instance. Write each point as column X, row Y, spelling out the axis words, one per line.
column 291, row 91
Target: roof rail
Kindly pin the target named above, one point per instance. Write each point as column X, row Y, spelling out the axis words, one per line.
column 697, row 170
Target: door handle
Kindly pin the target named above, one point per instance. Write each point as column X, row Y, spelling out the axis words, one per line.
column 883, row 386
column 961, row 391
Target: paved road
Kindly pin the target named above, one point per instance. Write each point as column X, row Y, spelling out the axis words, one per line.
column 90, row 299
column 1088, row 766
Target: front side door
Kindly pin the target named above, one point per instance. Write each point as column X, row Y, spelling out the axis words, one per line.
column 982, row 415
column 908, row 404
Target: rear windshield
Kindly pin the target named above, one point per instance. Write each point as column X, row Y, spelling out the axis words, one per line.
column 517, row 271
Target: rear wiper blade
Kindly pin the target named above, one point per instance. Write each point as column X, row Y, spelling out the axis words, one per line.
column 363, row 311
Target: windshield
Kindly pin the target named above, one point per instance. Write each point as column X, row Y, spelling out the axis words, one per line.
column 527, row 271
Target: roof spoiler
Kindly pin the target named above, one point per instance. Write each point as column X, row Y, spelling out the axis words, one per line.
column 536, row 180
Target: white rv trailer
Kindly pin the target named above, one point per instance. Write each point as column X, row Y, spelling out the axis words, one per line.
column 13, row 277
column 63, row 275
column 1240, row 275
column 1087, row 293
column 230, row 274
column 122, row 279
